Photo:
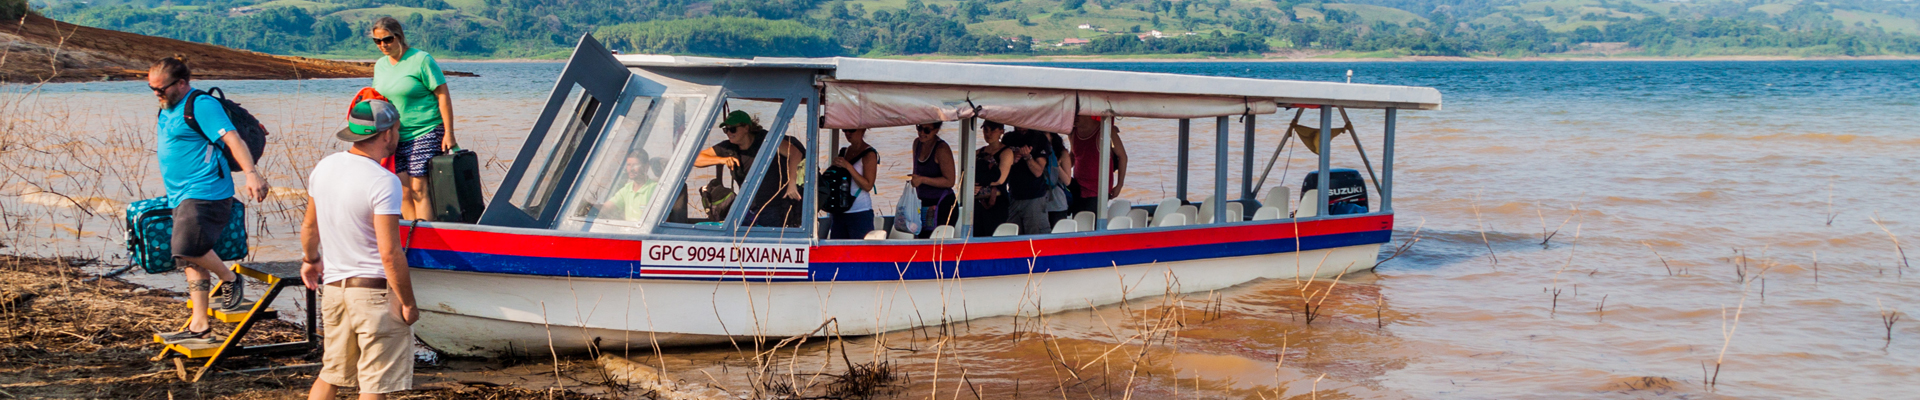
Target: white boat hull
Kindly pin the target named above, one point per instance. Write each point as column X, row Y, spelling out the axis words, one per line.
column 491, row 314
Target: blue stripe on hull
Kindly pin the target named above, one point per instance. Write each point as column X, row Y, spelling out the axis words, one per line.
column 888, row 271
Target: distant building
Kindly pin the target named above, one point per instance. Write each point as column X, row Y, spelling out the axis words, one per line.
column 1073, row 42
column 1157, row 34
column 1086, row 26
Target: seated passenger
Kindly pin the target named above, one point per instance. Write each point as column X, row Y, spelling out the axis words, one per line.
column 777, row 200
column 630, row 201
column 1086, row 165
column 932, row 178
column 860, row 160
column 1027, row 181
column 990, row 184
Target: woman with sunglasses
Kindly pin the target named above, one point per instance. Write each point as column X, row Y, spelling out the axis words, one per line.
column 932, row 178
column 412, row 81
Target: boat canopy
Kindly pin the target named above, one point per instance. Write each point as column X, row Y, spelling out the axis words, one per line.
column 621, row 147
column 869, row 93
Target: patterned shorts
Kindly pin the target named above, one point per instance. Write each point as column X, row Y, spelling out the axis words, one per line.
column 414, row 155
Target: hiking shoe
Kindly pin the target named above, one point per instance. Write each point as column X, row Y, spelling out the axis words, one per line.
column 232, row 295
column 190, row 337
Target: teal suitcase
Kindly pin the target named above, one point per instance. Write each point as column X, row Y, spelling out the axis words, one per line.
column 453, row 186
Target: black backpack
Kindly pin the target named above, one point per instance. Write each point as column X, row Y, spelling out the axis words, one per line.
column 252, row 132
column 836, row 190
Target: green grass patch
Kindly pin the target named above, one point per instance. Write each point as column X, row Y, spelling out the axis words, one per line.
column 1772, row 9
column 469, row 6
column 1349, row 54
column 1372, row 13
column 367, row 14
column 313, row 7
column 1873, row 19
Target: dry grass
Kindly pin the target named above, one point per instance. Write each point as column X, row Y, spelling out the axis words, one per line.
column 65, row 337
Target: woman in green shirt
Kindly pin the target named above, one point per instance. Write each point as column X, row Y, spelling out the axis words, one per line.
column 412, row 81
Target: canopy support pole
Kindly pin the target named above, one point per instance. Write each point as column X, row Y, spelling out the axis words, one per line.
column 810, row 192
column 964, row 226
column 1246, row 160
column 1386, row 165
column 1106, row 174
column 1180, row 189
column 1219, row 169
column 1326, row 159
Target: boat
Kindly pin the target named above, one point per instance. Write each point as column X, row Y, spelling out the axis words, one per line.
column 545, row 269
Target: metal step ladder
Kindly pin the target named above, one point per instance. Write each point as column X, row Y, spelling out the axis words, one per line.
column 277, row 276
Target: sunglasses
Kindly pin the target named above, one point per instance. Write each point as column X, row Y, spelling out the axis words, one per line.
column 163, row 89
column 387, row 39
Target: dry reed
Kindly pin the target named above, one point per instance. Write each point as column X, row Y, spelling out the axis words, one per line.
column 1887, row 319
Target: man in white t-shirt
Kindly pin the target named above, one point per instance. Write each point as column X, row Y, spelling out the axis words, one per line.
column 350, row 243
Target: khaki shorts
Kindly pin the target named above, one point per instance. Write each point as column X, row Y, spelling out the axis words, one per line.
column 366, row 344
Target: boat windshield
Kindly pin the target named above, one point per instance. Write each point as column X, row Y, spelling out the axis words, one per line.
column 621, row 181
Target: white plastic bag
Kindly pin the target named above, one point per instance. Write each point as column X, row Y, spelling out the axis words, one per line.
column 906, row 212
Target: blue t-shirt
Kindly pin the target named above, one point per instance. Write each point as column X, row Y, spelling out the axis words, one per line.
column 189, row 163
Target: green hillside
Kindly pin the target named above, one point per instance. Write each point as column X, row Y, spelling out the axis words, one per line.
column 1351, row 28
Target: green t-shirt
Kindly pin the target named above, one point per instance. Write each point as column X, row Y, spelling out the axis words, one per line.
column 409, row 85
column 631, row 202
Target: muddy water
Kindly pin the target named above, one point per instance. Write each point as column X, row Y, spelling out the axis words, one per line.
column 1698, row 212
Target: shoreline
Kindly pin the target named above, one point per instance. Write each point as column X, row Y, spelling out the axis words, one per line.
column 1322, row 58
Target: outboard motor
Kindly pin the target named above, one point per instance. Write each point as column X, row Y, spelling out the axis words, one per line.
column 1346, row 192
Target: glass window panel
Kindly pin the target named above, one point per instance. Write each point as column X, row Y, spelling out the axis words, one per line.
column 563, row 137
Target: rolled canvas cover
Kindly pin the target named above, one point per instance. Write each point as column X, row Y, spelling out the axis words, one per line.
column 870, row 105
column 852, row 105
column 1142, row 105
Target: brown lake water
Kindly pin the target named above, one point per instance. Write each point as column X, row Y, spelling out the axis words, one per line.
column 1656, row 181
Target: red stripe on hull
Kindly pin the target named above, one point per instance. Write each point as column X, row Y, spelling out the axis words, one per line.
column 525, row 245
column 630, row 250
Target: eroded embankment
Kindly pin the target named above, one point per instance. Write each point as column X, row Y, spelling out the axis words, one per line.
column 38, row 49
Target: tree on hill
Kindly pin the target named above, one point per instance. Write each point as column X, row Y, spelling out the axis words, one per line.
column 13, row 9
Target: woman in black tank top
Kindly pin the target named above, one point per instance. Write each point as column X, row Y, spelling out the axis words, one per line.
column 932, row 178
column 990, row 184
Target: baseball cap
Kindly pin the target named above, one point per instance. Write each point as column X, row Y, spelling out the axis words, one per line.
column 737, row 118
column 367, row 118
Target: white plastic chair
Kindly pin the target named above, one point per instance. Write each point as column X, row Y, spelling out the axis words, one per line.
column 943, row 232
column 1120, row 223
column 1139, row 217
column 1206, row 211
column 1235, row 211
column 1083, row 219
column 1166, row 207
column 893, row 234
column 1066, row 226
column 877, row 234
column 1008, row 229
column 1266, row 213
column 1117, row 207
column 879, row 221
column 1276, row 198
column 1306, row 206
column 1177, row 219
column 1192, row 213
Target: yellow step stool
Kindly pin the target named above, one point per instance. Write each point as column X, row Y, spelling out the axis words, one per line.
column 277, row 276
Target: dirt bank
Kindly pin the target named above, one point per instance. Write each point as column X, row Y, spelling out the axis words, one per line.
column 35, row 49
column 63, row 337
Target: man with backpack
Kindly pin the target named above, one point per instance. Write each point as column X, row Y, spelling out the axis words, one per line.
column 199, row 187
